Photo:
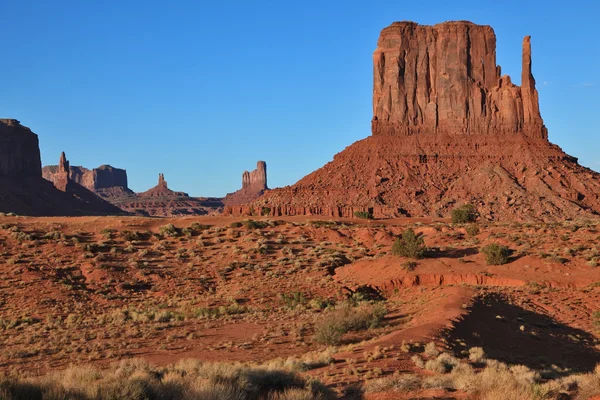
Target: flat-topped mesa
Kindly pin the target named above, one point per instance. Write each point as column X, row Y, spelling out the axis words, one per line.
column 256, row 179
column 97, row 179
column 19, row 151
column 443, row 79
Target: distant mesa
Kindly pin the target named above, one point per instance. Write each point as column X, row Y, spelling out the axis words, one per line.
column 254, row 185
column 23, row 191
column 106, row 181
column 447, row 128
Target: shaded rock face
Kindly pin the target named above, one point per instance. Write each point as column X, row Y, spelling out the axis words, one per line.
column 254, row 184
column 103, row 177
column 447, row 129
column 444, row 79
column 19, row 150
column 23, row 190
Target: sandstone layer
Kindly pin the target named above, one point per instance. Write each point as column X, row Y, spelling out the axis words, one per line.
column 23, row 190
column 447, row 129
column 254, row 184
column 444, row 79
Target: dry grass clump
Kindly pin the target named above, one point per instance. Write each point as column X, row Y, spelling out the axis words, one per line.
column 495, row 380
column 345, row 319
column 187, row 380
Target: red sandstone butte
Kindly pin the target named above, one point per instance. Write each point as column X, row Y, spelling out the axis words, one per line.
column 447, row 128
column 254, row 184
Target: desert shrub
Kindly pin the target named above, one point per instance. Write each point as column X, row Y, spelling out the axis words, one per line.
column 476, row 354
column 495, row 254
column 169, row 230
column 409, row 245
column 346, row 319
column 131, row 235
column 396, row 383
column 294, row 299
column 464, row 214
column 472, row 229
column 363, row 215
column 54, row 235
column 265, row 211
column 251, row 224
column 409, row 265
column 431, row 350
column 596, row 320
column 198, row 227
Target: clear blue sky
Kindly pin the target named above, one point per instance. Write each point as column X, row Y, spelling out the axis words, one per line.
column 201, row 90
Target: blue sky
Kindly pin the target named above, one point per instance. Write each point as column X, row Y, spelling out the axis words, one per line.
column 201, row 90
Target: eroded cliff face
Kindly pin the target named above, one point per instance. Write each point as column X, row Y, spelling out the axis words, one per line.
column 443, row 79
column 19, row 151
column 254, row 184
column 103, row 177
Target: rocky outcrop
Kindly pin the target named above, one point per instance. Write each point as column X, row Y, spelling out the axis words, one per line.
column 62, row 180
column 443, row 79
column 23, row 190
column 447, row 129
column 103, row 177
column 160, row 201
column 19, row 150
column 254, row 184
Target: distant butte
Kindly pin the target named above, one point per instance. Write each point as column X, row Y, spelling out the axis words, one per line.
column 254, row 184
column 447, row 128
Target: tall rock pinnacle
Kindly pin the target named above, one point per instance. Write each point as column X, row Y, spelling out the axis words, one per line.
column 161, row 180
column 443, row 79
column 256, row 179
column 62, row 179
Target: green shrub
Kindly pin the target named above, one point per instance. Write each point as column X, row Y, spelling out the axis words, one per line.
column 495, row 254
column 265, row 211
column 464, row 214
column 363, row 215
column 251, row 224
column 409, row 245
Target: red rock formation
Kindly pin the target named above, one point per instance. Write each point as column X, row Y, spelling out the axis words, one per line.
column 19, row 150
column 160, row 201
column 447, row 129
column 97, row 179
column 444, row 79
column 24, row 191
column 254, row 184
column 62, row 175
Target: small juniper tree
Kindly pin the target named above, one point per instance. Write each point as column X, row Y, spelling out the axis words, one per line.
column 409, row 245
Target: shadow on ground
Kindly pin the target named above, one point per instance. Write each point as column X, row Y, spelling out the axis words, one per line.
column 514, row 335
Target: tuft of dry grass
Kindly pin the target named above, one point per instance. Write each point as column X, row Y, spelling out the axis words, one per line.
column 188, row 379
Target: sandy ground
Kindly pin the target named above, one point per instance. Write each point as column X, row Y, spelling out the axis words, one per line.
column 100, row 289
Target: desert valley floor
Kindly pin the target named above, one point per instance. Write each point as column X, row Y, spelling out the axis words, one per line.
column 95, row 290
